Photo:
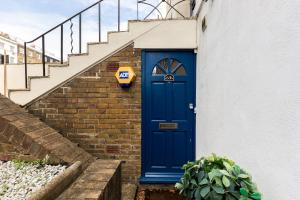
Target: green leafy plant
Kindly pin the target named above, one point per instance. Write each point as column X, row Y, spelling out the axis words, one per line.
column 20, row 164
column 216, row 178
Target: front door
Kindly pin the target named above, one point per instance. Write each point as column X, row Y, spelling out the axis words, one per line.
column 168, row 122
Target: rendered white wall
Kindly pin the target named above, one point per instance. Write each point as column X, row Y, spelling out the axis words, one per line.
column 248, row 90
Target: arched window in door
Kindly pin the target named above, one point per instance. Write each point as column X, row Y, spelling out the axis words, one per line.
column 169, row 66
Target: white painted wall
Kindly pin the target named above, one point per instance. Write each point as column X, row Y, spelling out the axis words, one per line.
column 15, row 75
column 248, row 90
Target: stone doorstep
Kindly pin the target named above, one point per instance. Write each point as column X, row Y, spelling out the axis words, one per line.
column 157, row 186
column 129, row 191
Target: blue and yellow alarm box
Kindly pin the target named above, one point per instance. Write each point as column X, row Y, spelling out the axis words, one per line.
column 125, row 76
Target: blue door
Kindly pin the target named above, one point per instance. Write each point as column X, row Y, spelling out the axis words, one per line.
column 168, row 122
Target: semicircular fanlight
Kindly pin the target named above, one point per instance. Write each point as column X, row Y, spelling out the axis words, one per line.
column 169, row 66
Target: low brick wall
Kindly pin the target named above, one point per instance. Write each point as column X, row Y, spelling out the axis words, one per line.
column 23, row 133
column 93, row 111
column 10, row 152
column 100, row 181
column 26, row 133
column 113, row 189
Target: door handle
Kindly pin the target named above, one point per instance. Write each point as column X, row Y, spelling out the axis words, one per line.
column 191, row 106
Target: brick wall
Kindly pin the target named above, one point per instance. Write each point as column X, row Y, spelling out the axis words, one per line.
column 24, row 136
column 10, row 152
column 93, row 111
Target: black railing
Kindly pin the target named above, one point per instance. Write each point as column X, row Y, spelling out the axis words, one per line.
column 79, row 15
column 61, row 26
column 155, row 7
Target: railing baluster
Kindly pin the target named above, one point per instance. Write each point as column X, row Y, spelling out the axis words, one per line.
column 25, row 62
column 43, row 55
column 99, row 20
column 71, row 35
column 62, row 44
column 119, row 16
column 80, row 33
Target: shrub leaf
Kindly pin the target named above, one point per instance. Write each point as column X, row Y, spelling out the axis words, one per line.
column 256, row 196
column 244, row 192
column 224, row 172
column 205, row 191
column 204, row 182
column 218, row 189
column 197, row 194
column 244, row 176
column 226, row 181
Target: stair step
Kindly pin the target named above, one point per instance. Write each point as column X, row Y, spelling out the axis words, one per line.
column 37, row 77
column 96, row 43
column 18, row 90
column 78, row 54
column 59, row 65
column 66, row 64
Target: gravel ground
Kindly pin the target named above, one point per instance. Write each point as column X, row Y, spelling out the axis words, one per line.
column 18, row 180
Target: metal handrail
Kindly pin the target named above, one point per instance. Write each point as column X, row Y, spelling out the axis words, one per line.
column 65, row 21
column 79, row 15
column 61, row 25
